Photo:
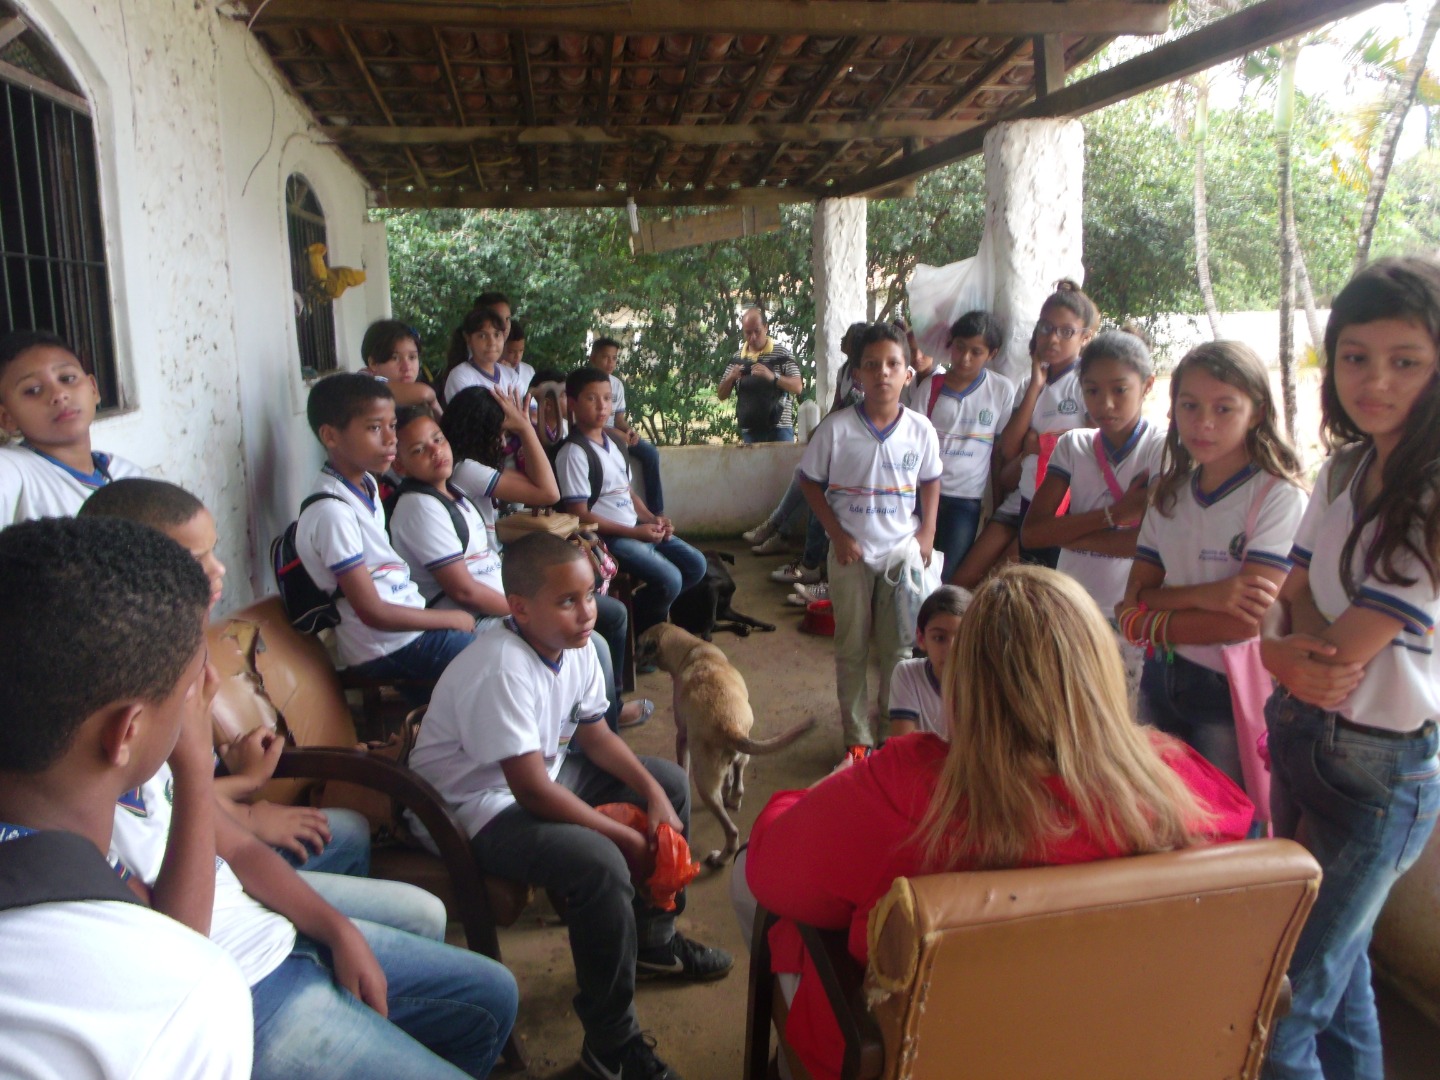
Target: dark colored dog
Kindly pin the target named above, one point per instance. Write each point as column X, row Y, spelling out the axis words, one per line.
column 705, row 608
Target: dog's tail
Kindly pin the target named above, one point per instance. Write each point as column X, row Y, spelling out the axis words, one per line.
column 775, row 742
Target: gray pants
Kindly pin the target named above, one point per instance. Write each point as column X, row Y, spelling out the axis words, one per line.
column 608, row 923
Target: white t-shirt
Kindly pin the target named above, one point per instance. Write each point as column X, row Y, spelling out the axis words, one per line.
column 35, row 485
column 497, row 700
column 255, row 937
column 335, row 536
column 524, row 374
column 468, row 375
column 1060, row 407
column 617, row 396
column 966, row 423
column 478, row 482
column 914, row 394
column 425, row 536
column 1104, row 576
column 572, row 467
column 1401, row 687
column 915, row 695
column 1204, row 538
column 872, row 478
column 104, row 990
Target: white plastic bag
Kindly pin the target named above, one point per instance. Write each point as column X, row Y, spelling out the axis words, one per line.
column 939, row 295
column 913, row 581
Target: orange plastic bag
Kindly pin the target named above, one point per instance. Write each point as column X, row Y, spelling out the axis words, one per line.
column 673, row 868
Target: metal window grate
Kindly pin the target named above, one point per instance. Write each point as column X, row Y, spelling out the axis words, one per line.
column 314, row 320
column 53, row 274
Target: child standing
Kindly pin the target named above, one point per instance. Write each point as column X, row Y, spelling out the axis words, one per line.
column 1214, row 547
column 1050, row 402
column 605, row 354
column 871, row 474
column 968, row 404
column 474, row 357
column 1106, row 470
column 391, row 351
column 916, row 695
column 47, row 397
column 1352, row 728
column 514, row 355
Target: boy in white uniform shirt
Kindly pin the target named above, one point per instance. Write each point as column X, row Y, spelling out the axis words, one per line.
column 47, row 397
column 385, row 628
column 871, row 474
column 605, row 355
column 496, row 744
column 100, row 988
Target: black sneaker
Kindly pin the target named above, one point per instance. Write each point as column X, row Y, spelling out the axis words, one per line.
column 636, row 1060
column 681, row 958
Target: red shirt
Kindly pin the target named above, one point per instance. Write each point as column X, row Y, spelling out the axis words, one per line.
column 827, row 855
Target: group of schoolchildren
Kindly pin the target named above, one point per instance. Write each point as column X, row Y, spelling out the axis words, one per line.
column 1183, row 541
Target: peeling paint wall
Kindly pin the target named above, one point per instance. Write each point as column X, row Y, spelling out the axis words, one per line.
column 186, row 106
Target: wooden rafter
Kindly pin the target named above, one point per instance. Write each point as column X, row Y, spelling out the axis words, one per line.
column 833, row 18
column 454, row 89
column 677, row 113
column 1049, row 56
column 602, row 112
column 838, row 61
column 747, row 95
column 10, row 29
column 635, row 135
column 520, row 57
column 379, row 99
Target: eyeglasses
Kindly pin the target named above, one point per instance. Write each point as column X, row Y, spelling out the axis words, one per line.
column 1064, row 333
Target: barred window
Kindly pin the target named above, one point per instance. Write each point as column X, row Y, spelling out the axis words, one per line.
column 53, row 274
column 314, row 317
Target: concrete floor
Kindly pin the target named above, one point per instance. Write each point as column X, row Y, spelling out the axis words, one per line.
column 700, row 1029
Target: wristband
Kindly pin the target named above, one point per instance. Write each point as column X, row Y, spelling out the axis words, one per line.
column 1109, row 518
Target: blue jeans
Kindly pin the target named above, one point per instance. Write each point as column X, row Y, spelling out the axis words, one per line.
column 424, row 658
column 955, row 527
column 1192, row 702
column 762, row 435
column 790, row 505
column 445, row 1003
column 348, row 851
column 395, row 904
column 667, row 569
column 612, row 624
column 1364, row 804
column 648, row 457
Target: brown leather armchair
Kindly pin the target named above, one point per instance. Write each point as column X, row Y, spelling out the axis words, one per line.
column 1164, row 965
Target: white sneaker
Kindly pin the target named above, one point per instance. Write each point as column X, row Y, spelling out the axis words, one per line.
column 796, row 600
column 774, row 545
column 796, row 573
column 759, row 534
column 808, row 593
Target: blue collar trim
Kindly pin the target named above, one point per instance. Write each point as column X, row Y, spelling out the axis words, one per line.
column 1224, row 489
column 368, row 496
column 97, row 478
column 514, row 627
column 880, row 436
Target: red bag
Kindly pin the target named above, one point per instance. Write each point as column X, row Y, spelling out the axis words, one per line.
column 673, row 868
column 1048, row 439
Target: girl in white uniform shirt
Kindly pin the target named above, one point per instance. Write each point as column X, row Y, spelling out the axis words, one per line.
column 1214, row 547
column 474, row 356
column 1352, row 728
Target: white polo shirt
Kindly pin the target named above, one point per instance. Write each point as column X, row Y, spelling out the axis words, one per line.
column 572, row 468
column 1401, row 687
column 1203, row 539
column 915, row 393
column 871, row 477
column 104, row 990
column 915, row 695
column 255, row 937
column 1060, row 407
column 1104, row 576
column 966, row 423
column 332, row 537
column 617, row 396
column 468, row 375
column 424, row 535
column 524, row 373
column 36, row 485
column 478, row 481
column 497, row 700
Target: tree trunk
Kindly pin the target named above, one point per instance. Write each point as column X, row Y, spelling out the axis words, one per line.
column 1202, row 222
column 1402, row 98
column 1302, row 282
column 1284, row 124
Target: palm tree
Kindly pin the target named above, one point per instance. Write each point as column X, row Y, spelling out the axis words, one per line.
column 1289, row 245
column 1198, row 131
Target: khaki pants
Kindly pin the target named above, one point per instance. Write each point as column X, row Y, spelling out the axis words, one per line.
column 865, row 615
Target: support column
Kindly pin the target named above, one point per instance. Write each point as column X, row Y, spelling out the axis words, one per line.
column 1034, row 185
column 837, row 261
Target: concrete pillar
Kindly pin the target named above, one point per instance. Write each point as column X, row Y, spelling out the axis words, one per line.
column 837, row 261
column 1034, row 177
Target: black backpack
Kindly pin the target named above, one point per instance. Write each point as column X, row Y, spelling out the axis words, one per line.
column 759, row 402
column 54, row 867
column 592, row 458
column 409, row 484
column 309, row 607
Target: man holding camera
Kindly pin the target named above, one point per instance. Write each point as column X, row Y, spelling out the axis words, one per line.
column 766, row 380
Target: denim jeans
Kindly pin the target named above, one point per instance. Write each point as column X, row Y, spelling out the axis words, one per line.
column 955, row 527
column 1192, row 702
column 445, row 1003
column 607, row 672
column 424, row 658
column 607, row 922
column 764, row 435
column 648, row 458
column 348, row 851
column 790, row 505
column 667, row 569
column 395, row 904
column 1364, row 804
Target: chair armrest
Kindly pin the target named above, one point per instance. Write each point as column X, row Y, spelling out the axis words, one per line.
column 419, row 796
column 349, row 681
column 844, row 983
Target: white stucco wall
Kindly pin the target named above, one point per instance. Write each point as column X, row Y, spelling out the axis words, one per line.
column 182, row 100
column 724, row 490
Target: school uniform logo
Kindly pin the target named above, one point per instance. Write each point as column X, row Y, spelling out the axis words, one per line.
column 1068, row 407
column 1237, row 546
column 910, row 460
column 987, row 417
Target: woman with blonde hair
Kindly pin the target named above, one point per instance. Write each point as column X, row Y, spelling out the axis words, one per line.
column 1044, row 767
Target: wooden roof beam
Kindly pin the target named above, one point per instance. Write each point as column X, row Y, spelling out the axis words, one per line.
column 601, row 115
column 631, row 135
column 683, row 91
column 917, row 18
column 379, row 99
column 747, row 95
column 838, row 62
column 454, row 89
column 520, row 58
column 1253, row 28
column 541, row 200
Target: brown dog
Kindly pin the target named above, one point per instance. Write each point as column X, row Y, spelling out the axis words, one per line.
column 712, row 722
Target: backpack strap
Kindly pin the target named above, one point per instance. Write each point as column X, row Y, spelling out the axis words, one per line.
column 937, row 383
column 1344, row 462
column 1256, row 505
column 1103, row 460
column 305, row 504
column 53, row 867
column 418, row 487
column 592, row 457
